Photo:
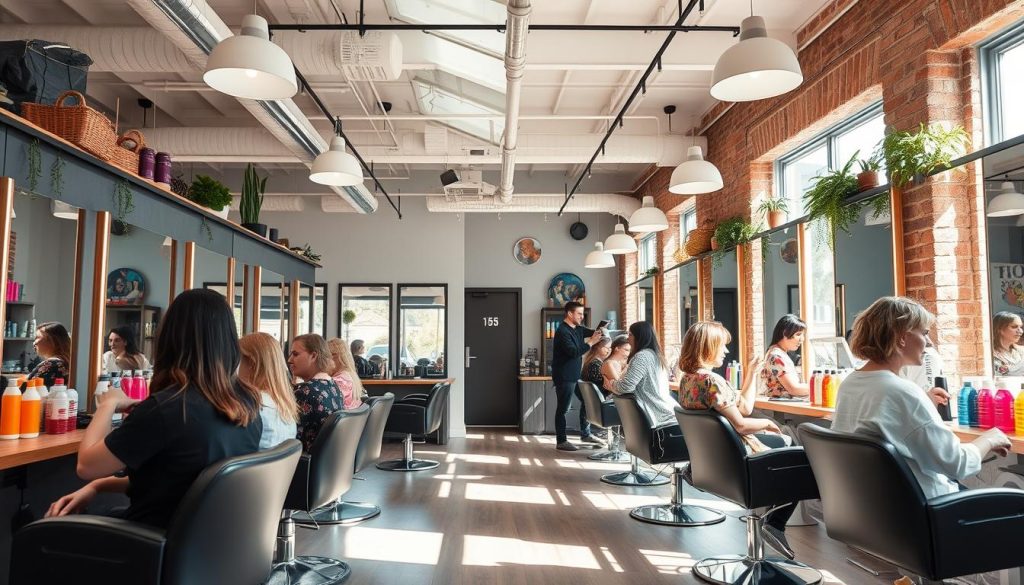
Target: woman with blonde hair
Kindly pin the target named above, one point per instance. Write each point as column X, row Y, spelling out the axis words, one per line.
column 263, row 368
column 345, row 374
column 317, row 395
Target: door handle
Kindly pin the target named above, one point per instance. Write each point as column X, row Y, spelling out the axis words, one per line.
column 469, row 357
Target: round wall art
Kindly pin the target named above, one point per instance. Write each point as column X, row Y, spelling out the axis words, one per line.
column 125, row 286
column 526, row 251
column 566, row 287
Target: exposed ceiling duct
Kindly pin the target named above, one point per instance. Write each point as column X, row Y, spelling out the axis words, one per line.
column 515, row 61
column 253, row 145
column 194, row 28
column 281, row 202
column 621, row 205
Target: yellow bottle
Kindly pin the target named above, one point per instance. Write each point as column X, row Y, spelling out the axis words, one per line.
column 31, row 407
column 833, row 385
column 10, row 411
column 1018, row 412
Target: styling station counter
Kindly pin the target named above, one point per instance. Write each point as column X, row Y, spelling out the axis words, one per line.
column 537, row 407
column 402, row 387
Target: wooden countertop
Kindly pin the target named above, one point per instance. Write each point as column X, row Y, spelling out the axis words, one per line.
column 534, row 378
column 407, row 381
column 25, row 451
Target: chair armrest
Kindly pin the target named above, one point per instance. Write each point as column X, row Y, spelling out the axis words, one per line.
column 975, row 531
column 416, row 396
column 780, row 475
column 84, row 548
column 407, row 417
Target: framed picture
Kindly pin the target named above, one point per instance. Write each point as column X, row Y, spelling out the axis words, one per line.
column 526, row 251
column 125, row 286
column 565, row 287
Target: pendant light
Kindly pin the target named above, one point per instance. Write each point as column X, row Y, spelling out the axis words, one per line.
column 598, row 258
column 695, row 175
column 63, row 210
column 1007, row 203
column 335, row 166
column 757, row 67
column 648, row 218
column 248, row 65
column 620, row 242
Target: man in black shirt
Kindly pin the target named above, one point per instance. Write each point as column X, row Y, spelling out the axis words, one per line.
column 364, row 367
column 572, row 340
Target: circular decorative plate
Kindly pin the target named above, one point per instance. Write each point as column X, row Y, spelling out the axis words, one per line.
column 566, row 287
column 526, row 251
column 125, row 286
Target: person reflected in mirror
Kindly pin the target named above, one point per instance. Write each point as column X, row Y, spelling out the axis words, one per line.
column 1007, row 353
column 572, row 340
column 53, row 344
column 616, row 362
column 364, row 367
column 344, row 373
column 263, row 367
column 124, row 353
column 646, row 375
column 779, row 376
column 317, row 394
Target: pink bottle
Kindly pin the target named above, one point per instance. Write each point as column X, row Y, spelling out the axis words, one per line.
column 139, row 386
column 128, row 385
column 986, row 409
column 1003, row 411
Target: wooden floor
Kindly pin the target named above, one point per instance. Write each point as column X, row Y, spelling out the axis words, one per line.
column 504, row 508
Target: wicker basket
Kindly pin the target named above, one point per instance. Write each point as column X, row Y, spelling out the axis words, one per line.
column 83, row 126
column 698, row 240
column 41, row 115
column 128, row 158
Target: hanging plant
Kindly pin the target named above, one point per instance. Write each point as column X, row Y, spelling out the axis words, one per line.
column 826, row 201
column 732, row 232
column 35, row 165
column 909, row 155
column 57, row 176
column 124, row 204
column 206, row 228
column 308, row 253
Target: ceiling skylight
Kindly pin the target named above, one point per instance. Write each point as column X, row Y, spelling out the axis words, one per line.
column 436, row 100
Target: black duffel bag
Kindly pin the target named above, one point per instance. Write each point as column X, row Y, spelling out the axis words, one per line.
column 39, row 71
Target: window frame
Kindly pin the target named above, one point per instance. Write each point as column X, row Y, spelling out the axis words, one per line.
column 990, row 53
column 644, row 260
column 396, row 347
column 689, row 211
column 391, row 312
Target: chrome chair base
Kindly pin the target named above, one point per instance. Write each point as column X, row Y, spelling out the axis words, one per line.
column 309, row 571
column 407, row 465
column 743, row 570
column 677, row 515
column 611, row 456
column 634, row 478
column 341, row 512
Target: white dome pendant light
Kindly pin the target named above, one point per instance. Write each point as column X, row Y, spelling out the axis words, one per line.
column 598, row 258
column 648, row 218
column 695, row 175
column 757, row 67
column 1007, row 203
column 620, row 242
column 335, row 166
column 248, row 65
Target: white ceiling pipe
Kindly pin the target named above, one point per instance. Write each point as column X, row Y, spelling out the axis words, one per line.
column 621, row 205
column 515, row 60
column 275, row 202
column 194, row 28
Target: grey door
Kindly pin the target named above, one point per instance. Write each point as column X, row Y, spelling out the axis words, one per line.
column 493, row 334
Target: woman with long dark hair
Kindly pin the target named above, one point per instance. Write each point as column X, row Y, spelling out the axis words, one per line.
column 53, row 344
column 1007, row 352
column 646, row 376
column 124, row 353
column 198, row 413
column 779, row 375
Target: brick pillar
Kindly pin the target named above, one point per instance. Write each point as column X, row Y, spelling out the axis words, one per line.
column 629, row 307
column 668, row 243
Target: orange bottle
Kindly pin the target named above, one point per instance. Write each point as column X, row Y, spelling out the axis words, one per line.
column 10, row 411
column 826, row 389
column 31, row 407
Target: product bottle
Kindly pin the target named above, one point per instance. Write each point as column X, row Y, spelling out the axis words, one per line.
column 962, row 408
column 72, row 409
column 728, row 373
column 833, row 387
column 44, row 403
column 128, row 383
column 986, row 408
column 816, row 388
column 31, row 407
column 1018, row 408
column 10, row 411
column 101, row 388
column 738, row 372
column 57, row 409
column 940, row 382
column 1003, row 410
column 115, row 379
column 142, row 384
column 972, row 407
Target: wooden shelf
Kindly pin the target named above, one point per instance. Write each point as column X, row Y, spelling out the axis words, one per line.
column 24, row 451
column 534, row 378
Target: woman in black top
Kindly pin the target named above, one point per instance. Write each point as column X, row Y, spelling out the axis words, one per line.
column 198, row 413
column 53, row 344
column 593, row 361
column 318, row 395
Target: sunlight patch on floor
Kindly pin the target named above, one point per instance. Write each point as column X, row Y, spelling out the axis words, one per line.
column 612, row 561
column 669, row 562
column 525, row 461
column 459, row 476
column 475, row 436
column 515, row 494
column 396, row 546
column 492, row 551
column 828, row 577
column 611, row 501
column 511, row 439
column 591, row 464
column 445, row 489
column 561, row 496
column 477, row 458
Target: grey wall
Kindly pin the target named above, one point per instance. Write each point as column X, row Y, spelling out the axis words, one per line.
column 864, row 264
column 778, row 275
column 489, row 261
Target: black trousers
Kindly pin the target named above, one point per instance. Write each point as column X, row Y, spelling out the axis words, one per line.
column 563, row 396
column 780, row 516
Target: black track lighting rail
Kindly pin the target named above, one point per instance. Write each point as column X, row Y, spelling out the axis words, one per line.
column 647, row 28
column 341, row 132
column 641, row 86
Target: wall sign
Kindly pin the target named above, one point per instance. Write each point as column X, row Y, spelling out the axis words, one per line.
column 1007, row 286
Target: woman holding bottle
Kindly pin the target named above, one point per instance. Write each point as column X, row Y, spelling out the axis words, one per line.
column 779, row 376
column 53, row 344
column 344, row 373
column 317, row 395
column 124, row 354
column 1007, row 353
column 263, row 368
column 616, row 361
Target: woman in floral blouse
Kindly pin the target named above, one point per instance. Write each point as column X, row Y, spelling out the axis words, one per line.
column 317, row 395
column 779, row 376
column 53, row 344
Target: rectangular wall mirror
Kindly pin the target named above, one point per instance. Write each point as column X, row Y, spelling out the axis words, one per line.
column 364, row 314
column 726, row 302
column 422, row 330
column 273, row 315
column 222, row 288
column 645, row 299
column 863, row 266
column 780, row 286
column 689, row 301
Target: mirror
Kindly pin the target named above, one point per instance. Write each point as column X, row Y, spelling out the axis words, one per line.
column 313, row 298
column 689, row 301
column 138, row 289
column 41, row 280
column 422, row 330
column 645, row 299
column 365, row 314
column 821, row 319
column 273, row 316
column 725, row 301
column 867, row 249
column 1004, row 172
column 780, row 285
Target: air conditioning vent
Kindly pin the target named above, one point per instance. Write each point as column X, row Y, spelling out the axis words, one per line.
column 477, row 152
column 469, row 187
column 377, row 56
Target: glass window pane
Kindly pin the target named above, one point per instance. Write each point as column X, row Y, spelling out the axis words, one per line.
column 797, row 174
column 823, row 320
column 366, row 315
column 422, row 317
column 861, row 141
column 1011, row 92
column 645, row 299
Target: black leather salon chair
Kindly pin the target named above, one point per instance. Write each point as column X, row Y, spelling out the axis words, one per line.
column 321, row 476
column 416, row 414
column 759, row 482
column 222, row 532
column 367, row 452
column 601, row 413
column 872, row 501
column 662, row 444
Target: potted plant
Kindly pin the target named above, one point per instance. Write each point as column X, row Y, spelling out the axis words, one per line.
column 249, row 207
column 210, row 193
column 734, row 231
column 347, row 317
column 910, row 155
column 776, row 209
column 826, row 200
column 869, row 167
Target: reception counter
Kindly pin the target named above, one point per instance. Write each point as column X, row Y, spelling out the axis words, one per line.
column 402, row 387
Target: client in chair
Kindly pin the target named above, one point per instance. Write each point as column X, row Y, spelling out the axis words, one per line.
column 198, row 413
column 263, row 368
column 779, row 375
column 317, row 395
column 646, row 376
column 704, row 348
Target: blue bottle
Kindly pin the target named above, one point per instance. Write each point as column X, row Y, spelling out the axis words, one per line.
column 972, row 408
column 962, row 401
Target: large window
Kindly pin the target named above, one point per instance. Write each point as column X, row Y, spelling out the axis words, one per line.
column 648, row 249
column 422, row 327
column 858, row 136
column 365, row 313
column 687, row 223
column 1003, row 62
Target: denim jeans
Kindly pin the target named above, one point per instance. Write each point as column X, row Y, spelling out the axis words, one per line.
column 563, row 396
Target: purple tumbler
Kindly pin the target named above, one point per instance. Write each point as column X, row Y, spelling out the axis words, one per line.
column 163, row 168
column 147, row 163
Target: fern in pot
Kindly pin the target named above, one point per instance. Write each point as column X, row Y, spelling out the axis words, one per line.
column 776, row 210
column 909, row 156
column 732, row 232
column 826, row 201
column 869, row 167
column 253, row 187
